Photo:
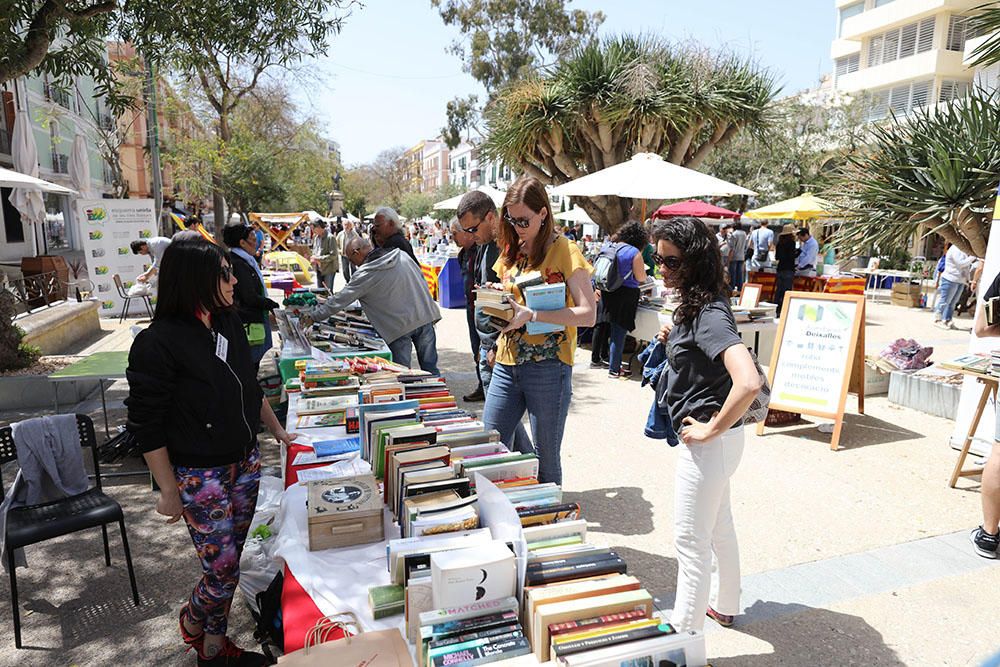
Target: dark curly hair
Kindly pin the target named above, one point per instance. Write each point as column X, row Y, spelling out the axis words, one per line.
column 700, row 277
column 633, row 234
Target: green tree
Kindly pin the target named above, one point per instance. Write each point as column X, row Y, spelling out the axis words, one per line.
column 505, row 40
column 390, row 171
column 625, row 95
column 61, row 38
column 416, row 204
column 227, row 50
column 935, row 171
column 986, row 21
column 808, row 138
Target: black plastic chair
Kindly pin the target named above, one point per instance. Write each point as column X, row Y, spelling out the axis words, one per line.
column 37, row 523
column 123, row 293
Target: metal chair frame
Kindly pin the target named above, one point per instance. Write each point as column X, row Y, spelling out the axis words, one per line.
column 8, row 453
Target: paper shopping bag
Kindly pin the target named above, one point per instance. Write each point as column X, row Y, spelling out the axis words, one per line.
column 381, row 648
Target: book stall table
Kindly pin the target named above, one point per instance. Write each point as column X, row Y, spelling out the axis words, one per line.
column 431, row 272
column 647, row 325
column 990, row 384
column 876, row 279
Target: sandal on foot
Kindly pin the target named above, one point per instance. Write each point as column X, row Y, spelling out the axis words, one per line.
column 722, row 619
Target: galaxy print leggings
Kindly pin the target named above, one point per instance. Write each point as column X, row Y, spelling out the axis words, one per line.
column 218, row 506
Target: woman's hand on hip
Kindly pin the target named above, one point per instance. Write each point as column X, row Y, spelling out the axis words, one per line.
column 169, row 505
column 694, row 432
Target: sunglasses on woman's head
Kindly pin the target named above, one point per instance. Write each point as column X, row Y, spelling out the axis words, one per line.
column 671, row 262
column 523, row 223
column 226, row 272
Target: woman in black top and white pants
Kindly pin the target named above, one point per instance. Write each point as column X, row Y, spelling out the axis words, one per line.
column 709, row 383
column 194, row 405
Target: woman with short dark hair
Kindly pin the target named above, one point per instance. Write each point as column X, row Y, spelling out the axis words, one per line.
column 250, row 295
column 708, row 385
column 194, row 406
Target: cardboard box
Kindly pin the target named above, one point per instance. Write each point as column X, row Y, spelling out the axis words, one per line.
column 343, row 512
column 907, row 289
column 906, row 300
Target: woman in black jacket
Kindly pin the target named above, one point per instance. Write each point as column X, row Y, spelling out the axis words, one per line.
column 250, row 297
column 194, row 405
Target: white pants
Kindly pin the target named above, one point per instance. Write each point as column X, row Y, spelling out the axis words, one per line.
column 703, row 529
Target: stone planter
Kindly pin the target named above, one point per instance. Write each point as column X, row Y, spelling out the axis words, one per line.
column 20, row 392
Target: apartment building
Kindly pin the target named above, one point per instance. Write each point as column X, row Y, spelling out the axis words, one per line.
column 57, row 114
column 435, row 165
column 902, row 54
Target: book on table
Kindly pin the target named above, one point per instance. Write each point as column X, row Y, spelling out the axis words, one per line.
column 541, row 514
column 385, row 600
column 609, row 635
column 395, row 458
column 398, row 548
column 394, row 490
column 325, row 404
column 573, row 590
column 542, row 298
column 464, row 576
column 681, row 649
column 439, row 521
column 320, row 421
column 336, row 446
column 585, row 607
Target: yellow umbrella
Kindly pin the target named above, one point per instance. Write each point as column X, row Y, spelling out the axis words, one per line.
column 804, row 207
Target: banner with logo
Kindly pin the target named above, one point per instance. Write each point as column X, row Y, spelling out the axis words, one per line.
column 107, row 227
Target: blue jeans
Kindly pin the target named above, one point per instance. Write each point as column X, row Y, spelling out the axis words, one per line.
column 736, row 268
column 544, row 389
column 425, row 340
column 522, row 443
column 616, row 347
column 948, row 293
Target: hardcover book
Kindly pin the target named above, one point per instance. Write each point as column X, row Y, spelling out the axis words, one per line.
column 465, row 576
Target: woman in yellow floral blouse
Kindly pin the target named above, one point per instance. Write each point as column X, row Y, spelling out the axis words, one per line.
column 534, row 373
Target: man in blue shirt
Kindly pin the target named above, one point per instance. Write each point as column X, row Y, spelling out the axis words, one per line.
column 805, row 265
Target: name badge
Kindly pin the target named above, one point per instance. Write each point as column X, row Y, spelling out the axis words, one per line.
column 221, row 346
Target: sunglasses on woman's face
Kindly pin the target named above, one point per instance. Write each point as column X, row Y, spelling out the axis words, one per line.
column 523, row 223
column 226, row 272
column 670, row 262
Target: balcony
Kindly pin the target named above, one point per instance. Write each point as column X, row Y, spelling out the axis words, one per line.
column 898, row 13
column 844, row 47
column 60, row 163
column 4, row 140
column 937, row 63
column 57, row 95
column 106, row 121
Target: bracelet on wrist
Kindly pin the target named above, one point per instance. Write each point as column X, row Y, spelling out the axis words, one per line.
column 534, row 315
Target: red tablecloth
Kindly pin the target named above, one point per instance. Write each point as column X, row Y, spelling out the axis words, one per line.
column 298, row 612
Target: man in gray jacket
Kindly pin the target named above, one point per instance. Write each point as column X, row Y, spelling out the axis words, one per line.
column 395, row 298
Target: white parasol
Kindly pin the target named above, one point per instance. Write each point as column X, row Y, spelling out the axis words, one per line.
column 79, row 165
column 649, row 176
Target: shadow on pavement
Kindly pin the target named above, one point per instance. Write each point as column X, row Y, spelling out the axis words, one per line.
column 858, row 431
column 801, row 635
column 620, row 511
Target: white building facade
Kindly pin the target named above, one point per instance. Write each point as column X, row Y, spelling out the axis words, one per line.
column 902, row 54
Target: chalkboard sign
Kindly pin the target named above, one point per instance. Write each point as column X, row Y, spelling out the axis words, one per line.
column 818, row 356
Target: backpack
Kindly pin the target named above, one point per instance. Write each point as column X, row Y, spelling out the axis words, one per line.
column 607, row 277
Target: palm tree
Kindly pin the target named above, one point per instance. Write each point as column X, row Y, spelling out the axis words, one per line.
column 986, row 21
column 616, row 97
column 935, row 170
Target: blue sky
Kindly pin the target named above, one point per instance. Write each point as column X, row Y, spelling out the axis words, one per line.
column 388, row 76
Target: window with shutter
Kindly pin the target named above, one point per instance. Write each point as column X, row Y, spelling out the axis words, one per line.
column 921, row 94
column 847, row 12
column 908, row 40
column 957, row 33
column 890, row 49
column 925, row 35
column 947, row 91
column 899, row 100
column 848, row 64
column 878, row 105
column 875, row 51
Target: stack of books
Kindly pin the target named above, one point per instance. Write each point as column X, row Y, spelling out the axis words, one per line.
column 496, row 304
column 472, row 634
column 995, row 363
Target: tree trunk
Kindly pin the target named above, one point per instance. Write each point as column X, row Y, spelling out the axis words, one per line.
column 218, row 200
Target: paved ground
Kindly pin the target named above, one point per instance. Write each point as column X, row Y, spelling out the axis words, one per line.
column 853, row 557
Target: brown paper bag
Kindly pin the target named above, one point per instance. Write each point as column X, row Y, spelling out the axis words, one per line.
column 381, row 648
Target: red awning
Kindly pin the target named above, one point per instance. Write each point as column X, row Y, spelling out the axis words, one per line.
column 695, row 208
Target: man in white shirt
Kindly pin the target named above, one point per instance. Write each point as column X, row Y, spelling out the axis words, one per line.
column 724, row 248
column 805, row 265
column 957, row 269
column 154, row 247
column 762, row 242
